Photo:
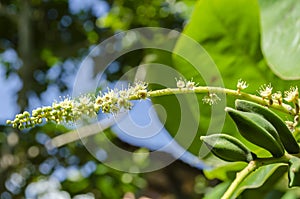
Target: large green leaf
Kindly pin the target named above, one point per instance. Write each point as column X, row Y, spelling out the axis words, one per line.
column 281, row 37
column 229, row 31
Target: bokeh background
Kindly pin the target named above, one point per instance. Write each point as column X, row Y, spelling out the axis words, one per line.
column 42, row 44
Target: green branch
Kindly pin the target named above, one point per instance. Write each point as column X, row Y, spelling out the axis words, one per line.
column 251, row 167
column 285, row 108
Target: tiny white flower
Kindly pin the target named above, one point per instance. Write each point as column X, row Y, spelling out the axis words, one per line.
column 211, row 99
column 84, row 100
column 180, row 83
column 140, row 85
column 123, row 93
column 99, row 100
column 190, row 85
column 241, row 85
column 142, row 94
column 266, row 91
column 277, row 96
column 292, row 95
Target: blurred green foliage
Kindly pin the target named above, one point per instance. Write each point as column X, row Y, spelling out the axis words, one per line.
column 49, row 33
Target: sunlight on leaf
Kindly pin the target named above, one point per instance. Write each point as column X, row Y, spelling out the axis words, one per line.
column 281, row 36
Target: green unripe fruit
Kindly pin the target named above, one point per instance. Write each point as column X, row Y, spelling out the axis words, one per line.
column 284, row 133
column 228, row 148
column 257, row 130
column 294, row 172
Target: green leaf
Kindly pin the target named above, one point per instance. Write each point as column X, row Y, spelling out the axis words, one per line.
column 230, row 34
column 281, row 37
column 272, row 188
column 256, row 184
column 291, row 194
column 258, row 178
column 217, row 191
column 225, row 172
column 294, row 172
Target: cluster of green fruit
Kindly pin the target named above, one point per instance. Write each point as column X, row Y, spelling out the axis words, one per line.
column 262, row 127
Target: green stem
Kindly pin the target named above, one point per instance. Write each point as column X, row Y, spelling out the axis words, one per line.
column 252, row 166
column 206, row 89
